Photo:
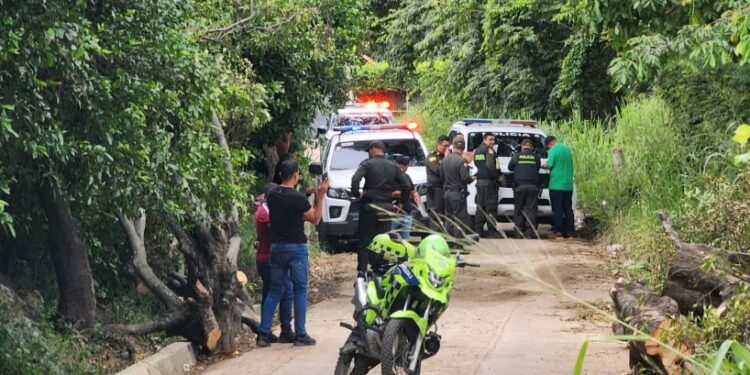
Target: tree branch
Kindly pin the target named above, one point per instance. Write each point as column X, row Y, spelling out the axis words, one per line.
column 135, row 232
column 185, row 243
column 234, row 241
column 175, row 318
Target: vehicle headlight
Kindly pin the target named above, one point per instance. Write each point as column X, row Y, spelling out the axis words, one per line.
column 422, row 189
column 338, row 193
column 435, row 280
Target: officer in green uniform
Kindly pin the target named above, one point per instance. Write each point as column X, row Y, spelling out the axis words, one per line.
column 382, row 178
column 487, row 185
column 435, row 204
column 455, row 171
column 525, row 166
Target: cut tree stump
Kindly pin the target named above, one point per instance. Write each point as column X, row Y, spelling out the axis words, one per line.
column 653, row 315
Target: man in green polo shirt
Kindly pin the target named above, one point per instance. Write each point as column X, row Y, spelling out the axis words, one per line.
column 560, row 164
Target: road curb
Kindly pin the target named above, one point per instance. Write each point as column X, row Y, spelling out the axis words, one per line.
column 174, row 359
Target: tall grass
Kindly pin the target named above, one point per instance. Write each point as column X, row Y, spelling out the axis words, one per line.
column 652, row 178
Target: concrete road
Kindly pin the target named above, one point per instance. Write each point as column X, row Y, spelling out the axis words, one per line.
column 508, row 317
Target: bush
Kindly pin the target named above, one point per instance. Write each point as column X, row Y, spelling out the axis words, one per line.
column 718, row 212
column 28, row 347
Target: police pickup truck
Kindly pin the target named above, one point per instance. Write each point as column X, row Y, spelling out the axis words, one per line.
column 345, row 151
column 508, row 137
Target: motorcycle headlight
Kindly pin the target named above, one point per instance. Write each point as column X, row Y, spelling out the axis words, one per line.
column 435, row 280
column 338, row 193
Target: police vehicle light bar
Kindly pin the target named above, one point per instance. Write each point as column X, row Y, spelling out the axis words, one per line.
column 471, row 121
column 353, row 128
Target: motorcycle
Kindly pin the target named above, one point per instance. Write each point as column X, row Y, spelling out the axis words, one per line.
column 397, row 306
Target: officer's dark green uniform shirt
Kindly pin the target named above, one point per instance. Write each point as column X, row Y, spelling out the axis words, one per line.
column 382, row 177
column 485, row 161
column 434, row 173
column 455, row 173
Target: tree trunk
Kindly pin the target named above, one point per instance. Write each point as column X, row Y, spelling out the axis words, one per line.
column 693, row 288
column 652, row 315
column 69, row 255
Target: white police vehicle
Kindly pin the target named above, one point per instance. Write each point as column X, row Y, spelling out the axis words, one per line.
column 353, row 114
column 508, row 137
column 343, row 154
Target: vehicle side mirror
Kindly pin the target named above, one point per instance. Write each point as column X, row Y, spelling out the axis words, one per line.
column 315, row 169
column 322, row 131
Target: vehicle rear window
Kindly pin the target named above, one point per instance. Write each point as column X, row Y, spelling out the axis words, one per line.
column 508, row 142
column 348, row 155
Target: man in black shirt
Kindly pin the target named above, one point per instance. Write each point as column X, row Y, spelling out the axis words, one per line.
column 289, row 209
column 525, row 166
column 487, row 187
column 455, row 171
column 382, row 178
column 435, row 201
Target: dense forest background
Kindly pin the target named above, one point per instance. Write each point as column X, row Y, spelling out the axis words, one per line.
column 175, row 111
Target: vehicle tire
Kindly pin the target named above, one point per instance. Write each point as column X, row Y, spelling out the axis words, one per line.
column 351, row 363
column 398, row 342
column 327, row 243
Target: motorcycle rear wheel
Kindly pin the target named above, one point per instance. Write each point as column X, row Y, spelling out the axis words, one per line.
column 399, row 340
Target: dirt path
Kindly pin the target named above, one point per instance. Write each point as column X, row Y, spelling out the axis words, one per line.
column 498, row 322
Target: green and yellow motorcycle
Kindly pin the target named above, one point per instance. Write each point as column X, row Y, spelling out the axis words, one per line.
column 397, row 306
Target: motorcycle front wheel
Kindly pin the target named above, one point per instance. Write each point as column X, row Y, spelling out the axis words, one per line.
column 351, row 363
column 399, row 342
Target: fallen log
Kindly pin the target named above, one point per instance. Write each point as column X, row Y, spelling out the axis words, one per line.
column 688, row 283
column 652, row 315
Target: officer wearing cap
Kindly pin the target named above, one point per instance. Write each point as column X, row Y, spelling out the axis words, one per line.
column 525, row 166
column 435, row 203
column 456, row 177
column 487, row 178
column 382, row 178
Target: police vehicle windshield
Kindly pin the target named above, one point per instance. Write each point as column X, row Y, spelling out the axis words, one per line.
column 509, row 142
column 348, row 155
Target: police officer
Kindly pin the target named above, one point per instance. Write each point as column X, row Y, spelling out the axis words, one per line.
column 435, row 204
column 455, row 171
column 487, row 178
column 382, row 178
column 525, row 166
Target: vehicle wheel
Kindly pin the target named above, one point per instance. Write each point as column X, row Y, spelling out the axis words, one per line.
column 399, row 340
column 327, row 243
column 351, row 363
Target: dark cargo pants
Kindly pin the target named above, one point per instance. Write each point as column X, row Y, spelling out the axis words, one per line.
column 436, row 206
column 486, row 200
column 457, row 214
column 374, row 219
column 526, row 204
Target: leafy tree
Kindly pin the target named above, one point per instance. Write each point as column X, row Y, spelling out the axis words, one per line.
column 498, row 57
